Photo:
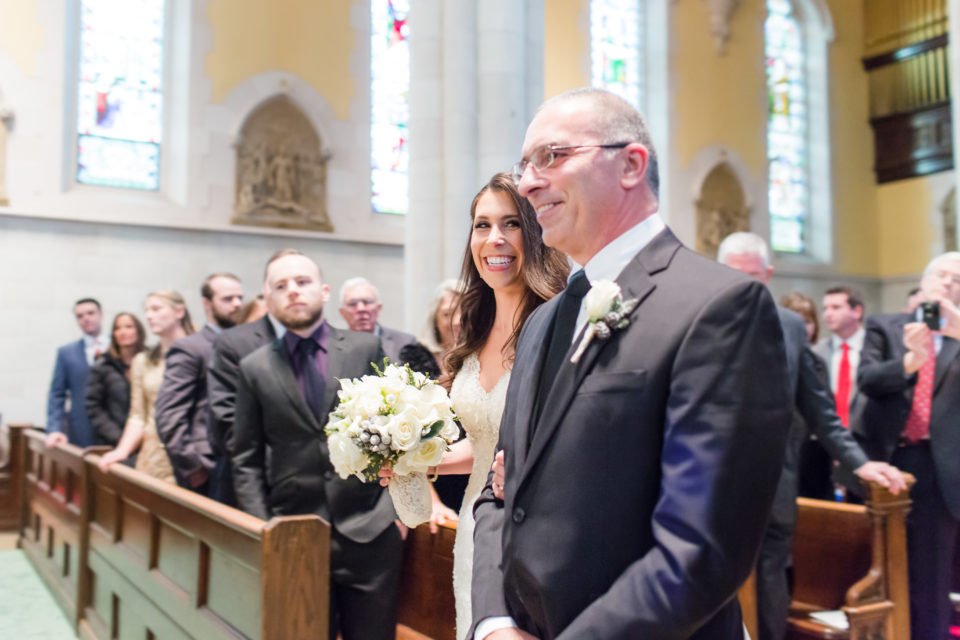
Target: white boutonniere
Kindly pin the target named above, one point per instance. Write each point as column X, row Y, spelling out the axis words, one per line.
column 607, row 312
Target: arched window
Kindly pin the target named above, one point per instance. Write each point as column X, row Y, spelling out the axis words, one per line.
column 615, row 51
column 120, row 93
column 389, row 105
column 787, row 130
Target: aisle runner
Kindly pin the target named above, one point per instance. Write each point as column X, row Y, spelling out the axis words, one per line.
column 27, row 610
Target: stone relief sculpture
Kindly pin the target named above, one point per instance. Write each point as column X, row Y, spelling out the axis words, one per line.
column 6, row 122
column 721, row 12
column 281, row 170
column 948, row 208
column 721, row 209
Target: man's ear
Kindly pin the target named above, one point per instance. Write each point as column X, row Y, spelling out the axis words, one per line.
column 637, row 160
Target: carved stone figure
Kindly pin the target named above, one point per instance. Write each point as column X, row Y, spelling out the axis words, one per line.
column 721, row 209
column 721, row 13
column 948, row 208
column 281, row 170
column 6, row 121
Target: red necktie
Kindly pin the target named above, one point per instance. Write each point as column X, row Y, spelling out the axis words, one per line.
column 918, row 422
column 843, row 386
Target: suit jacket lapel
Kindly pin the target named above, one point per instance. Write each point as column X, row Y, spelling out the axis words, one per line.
column 525, row 381
column 635, row 282
column 949, row 351
column 284, row 371
column 335, row 366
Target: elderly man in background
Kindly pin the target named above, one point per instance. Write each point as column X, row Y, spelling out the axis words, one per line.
column 360, row 306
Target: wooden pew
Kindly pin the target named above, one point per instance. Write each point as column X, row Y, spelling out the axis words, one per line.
column 10, row 481
column 427, row 612
column 852, row 558
column 128, row 556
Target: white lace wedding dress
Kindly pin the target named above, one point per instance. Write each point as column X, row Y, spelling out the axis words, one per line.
column 479, row 413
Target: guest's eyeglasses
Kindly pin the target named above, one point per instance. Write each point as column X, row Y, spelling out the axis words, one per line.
column 356, row 302
column 544, row 157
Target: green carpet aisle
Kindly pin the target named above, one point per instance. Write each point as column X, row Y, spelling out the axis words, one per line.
column 27, row 610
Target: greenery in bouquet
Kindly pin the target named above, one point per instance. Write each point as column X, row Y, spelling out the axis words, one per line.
column 398, row 418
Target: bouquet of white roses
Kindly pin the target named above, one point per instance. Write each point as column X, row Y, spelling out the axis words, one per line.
column 398, row 418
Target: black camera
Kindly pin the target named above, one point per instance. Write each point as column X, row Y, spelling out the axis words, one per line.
column 930, row 312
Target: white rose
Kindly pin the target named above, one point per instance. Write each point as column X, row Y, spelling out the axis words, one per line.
column 599, row 300
column 347, row 458
column 404, row 430
column 450, row 432
column 428, row 454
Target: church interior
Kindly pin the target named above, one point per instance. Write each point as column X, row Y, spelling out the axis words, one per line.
column 145, row 144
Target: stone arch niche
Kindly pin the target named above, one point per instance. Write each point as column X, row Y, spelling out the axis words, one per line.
column 281, row 170
column 721, row 209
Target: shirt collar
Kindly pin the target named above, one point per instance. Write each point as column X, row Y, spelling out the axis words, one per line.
column 95, row 341
column 855, row 341
column 613, row 258
column 278, row 329
column 319, row 335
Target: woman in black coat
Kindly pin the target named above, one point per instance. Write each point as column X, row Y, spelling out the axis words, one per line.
column 108, row 388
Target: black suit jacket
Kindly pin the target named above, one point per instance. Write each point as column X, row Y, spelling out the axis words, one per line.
column 281, row 465
column 638, row 508
column 889, row 394
column 815, row 405
column 224, row 369
column 181, row 409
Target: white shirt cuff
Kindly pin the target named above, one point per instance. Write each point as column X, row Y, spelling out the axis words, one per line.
column 489, row 625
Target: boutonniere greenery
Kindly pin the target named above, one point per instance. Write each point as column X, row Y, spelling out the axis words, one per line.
column 607, row 312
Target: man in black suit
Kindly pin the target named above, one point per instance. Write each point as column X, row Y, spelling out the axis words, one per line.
column 816, row 412
column 638, row 479
column 360, row 306
column 911, row 378
column 181, row 408
column 281, row 464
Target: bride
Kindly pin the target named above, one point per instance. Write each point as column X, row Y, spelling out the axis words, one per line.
column 507, row 273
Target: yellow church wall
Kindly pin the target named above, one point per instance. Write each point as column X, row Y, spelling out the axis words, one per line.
column 310, row 39
column 567, row 46
column 21, row 34
column 905, row 219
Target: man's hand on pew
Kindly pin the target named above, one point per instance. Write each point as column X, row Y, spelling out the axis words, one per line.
column 55, row 439
column 498, row 475
column 441, row 513
column 883, row 474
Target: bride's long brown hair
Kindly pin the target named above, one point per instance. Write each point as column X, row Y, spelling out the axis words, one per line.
column 543, row 270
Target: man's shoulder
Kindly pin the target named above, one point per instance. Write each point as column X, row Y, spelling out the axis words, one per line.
column 197, row 344
column 355, row 339
column 259, row 358
column 400, row 337
column 234, row 337
column 71, row 348
column 887, row 320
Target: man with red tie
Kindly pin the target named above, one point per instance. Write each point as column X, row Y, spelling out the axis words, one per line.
column 910, row 375
column 843, row 316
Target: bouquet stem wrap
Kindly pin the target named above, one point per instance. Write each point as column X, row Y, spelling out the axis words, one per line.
column 411, row 498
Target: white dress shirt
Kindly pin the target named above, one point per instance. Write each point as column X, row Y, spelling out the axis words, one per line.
column 605, row 265
column 855, row 342
column 94, row 344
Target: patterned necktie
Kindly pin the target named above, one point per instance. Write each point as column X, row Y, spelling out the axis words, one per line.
column 312, row 384
column 843, row 386
column 918, row 422
column 562, row 333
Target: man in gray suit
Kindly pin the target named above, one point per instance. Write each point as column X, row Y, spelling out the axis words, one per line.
column 360, row 306
column 285, row 392
column 748, row 252
column 181, row 408
column 639, row 478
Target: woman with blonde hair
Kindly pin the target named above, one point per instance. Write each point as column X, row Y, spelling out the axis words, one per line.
column 169, row 320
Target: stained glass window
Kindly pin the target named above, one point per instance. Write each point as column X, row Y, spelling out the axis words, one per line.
column 390, row 105
column 120, row 94
column 787, row 135
column 615, row 27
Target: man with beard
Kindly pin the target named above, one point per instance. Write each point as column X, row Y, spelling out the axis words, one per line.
column 281, row 465
column 181, row 410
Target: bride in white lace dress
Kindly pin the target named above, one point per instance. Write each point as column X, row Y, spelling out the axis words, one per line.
column 507, row 273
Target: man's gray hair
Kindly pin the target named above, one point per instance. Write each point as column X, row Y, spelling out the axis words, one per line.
column 616, row 121
column 744, row 242
column 952, row 256
column 352, row 282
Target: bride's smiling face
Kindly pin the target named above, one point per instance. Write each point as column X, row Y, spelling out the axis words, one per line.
column 496, row 241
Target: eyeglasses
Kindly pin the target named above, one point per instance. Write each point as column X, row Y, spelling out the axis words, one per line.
column 356, row 302
column 544, row 157
column 947, row 275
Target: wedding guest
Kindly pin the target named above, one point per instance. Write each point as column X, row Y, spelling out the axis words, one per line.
column 442, row 325
column 70, row 374
column 108, row 390
column 169, row 320
column 360, row 306
column 507, row 273
column 639, row 478
column 181, row 410
column 281, row 466
column 253, row 310
column 807, row 309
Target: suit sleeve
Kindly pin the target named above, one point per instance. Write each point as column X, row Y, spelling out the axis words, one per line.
column 724, row 435
column 816, row 405
column 881, row 371
column 176, row 404
column 222, row 377
column 96, row 407
column 248, row 451
column 57, row 397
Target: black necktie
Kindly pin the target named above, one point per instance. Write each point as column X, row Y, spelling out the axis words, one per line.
column 561, row 334
column 311, row 382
